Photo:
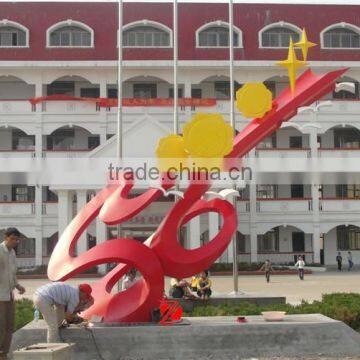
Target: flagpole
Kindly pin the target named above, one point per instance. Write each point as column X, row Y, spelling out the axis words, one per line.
column 175, row 62
column 232, row 123
column 119, row 147
column 119, row 142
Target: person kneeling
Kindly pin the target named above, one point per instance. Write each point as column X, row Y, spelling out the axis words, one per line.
column 58, row 302
column 204, row 286
column 180, row 289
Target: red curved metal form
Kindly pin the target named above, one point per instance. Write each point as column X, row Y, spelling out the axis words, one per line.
column 119, row 208
column 162, row 253
column 136, row 303
column 177, row 261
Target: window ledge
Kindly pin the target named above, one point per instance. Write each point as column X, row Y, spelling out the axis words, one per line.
column 69, row 47
column 15, row 47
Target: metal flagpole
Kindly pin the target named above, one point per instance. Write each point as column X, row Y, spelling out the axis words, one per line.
column 119, row 83
column 175, row 62
column 232, row 123
column 119, row 143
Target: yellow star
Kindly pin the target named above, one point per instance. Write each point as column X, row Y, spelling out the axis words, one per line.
column 292, row 64
column 304, row 44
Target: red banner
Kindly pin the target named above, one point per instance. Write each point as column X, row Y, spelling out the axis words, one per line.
column 128, row 102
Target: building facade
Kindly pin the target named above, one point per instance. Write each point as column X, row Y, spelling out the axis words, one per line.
column 64, row 52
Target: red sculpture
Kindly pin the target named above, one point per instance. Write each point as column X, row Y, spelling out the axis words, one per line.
column 162, row 255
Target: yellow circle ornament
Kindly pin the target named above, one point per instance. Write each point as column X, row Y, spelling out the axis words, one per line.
column 254, row 100
column 171, row 146
column 171, row 152
column 208, row 135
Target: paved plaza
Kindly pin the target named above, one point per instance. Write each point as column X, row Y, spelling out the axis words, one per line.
column 290, row 286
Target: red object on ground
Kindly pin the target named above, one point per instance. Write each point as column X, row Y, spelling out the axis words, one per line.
column 241, row 319
column 170, row 312
column 162, row 253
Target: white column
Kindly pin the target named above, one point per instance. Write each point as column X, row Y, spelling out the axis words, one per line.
column 316, row 243
column 253, row 243
column 187, row 94
column 38, row 92
column 103, row 89
column 64, row 214
column 313, row 142
column 38, row 139
column 313, row 133
column 213, row 227
column 81, row 202
column 103, row 129
column 101, row 236
column 194, row 228
column 38, row 225
column 253, row 221
column 224, row 258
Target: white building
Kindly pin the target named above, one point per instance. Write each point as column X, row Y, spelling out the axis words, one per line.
column 278, row 220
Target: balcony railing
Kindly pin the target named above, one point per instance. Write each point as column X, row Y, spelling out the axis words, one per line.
column 16, row 107
column 17, row 153
column 50, row 208
column 67, row 153
column 68, row 107
column 283, row 153
column 339, row 205
column 284, row 205
column 339, row 152
column 15, row 208
column 19, row 208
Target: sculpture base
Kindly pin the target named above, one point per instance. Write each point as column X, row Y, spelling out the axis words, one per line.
column 207, row 338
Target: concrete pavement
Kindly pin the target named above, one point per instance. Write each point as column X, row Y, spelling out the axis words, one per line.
column 290, row 286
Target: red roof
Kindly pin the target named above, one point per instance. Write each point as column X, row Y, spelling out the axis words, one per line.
column 102, row 17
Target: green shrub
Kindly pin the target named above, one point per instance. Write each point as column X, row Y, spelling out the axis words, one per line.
column 24, row 313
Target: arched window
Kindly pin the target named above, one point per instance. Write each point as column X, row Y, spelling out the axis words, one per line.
column 278, row 35
column 216, row 34
column 146, row 33
column 341, row 36
column 13, row 34
column 70, row 34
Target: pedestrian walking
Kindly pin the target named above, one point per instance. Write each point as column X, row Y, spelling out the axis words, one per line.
column 339, row 261
column 301, row 267
column 8, row 282
column 350, row 260
column 267, row 267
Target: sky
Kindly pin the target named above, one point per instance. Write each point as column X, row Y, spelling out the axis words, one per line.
column 339, row 2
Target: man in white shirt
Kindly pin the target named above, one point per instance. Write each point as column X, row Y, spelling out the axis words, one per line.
column 8, row 282
column 58, row 301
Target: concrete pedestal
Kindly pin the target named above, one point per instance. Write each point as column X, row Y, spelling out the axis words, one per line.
column 207, row 338
column 44, row 352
